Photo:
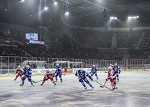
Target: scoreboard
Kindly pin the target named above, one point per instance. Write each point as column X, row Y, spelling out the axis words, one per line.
column 31, row 36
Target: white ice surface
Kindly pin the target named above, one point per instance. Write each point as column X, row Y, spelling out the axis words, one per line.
column 133, row 91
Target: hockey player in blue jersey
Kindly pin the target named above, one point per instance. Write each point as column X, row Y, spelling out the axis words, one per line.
column 116, row 68
column 94, row 71
column 58, row 72
column 27, row 73
column 82, row 76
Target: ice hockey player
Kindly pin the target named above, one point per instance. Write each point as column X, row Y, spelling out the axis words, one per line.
column 111, row 65
column 18, row 72
column 82, row 76
column 27, row 73
column 112, row 77
column 58, row 72
column 94, row 71
column 48, row 75
column 116, row 68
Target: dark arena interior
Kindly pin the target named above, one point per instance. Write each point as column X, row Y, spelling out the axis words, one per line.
column 99, row 50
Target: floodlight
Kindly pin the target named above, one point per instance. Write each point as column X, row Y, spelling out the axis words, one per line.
column 45, row 8
column 22, row 1
column 113, row 18
column 55, row 3
column 133, row 17
column 67, row 13
column 129, row 17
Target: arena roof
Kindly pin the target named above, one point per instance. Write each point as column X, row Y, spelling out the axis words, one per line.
column 82, row 6
column 27, row 13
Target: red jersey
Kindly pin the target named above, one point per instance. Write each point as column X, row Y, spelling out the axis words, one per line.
column 18, row 71
column 49, row 75
column 111, row 74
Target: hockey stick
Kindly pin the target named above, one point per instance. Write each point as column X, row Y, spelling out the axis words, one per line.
column 37, row 81
column 101, row 85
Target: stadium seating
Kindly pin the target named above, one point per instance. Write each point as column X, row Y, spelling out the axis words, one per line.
column 85, row 47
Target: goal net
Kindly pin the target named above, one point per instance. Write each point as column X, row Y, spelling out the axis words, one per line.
column 34, row 64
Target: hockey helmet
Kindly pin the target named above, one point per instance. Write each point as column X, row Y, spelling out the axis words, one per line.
column 109, row 68
column 19, row 66
column 81, row 69
column 93, row 65
column 115, row 64
column 27, row 66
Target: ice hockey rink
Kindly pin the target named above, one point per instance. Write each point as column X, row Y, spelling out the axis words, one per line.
column 133, row 91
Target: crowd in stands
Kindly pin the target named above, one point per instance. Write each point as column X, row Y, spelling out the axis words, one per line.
column 11, row 50
column 92, row 39
column 145, row 41
column 139, row 54
column 76, row 53
column 82, row 45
